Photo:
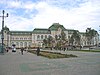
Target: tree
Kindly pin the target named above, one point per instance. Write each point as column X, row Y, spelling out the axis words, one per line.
column 71, row 40
column 75, row 38
column 45, row 42
column 63, row 35
column 60, row 40
column 48, row 42
column 90, row 34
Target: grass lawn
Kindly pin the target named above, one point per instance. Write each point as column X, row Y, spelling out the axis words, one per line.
column 52, row 55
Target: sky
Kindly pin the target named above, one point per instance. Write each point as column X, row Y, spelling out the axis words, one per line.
column 25, row 15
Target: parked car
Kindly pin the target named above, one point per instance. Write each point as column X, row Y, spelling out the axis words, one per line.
column 14, row 50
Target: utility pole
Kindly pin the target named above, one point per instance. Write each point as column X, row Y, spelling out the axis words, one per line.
column 2, row 36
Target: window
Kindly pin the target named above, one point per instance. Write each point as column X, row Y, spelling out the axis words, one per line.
column 21, row 44
column 38, row 37
column 25, row 44
column 45, row 36
column 21, row 38
column 29, row 43
column 29, row 38
column 17, row 43
column 41, row 36
column 17, row 38
column 25, row 38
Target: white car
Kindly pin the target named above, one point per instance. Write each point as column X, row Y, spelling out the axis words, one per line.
column 13, row 49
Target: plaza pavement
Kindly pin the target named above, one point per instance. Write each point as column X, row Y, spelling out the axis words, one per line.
column 87, row 63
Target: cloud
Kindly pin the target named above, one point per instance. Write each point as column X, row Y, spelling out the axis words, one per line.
column 78, row 18
column 14, row 4
column 19, row 23
column 66, row 3
column 73, row 14
column 19, row 4
column 29, row 5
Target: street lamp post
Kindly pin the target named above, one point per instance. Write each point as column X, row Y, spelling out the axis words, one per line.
column 2, row 36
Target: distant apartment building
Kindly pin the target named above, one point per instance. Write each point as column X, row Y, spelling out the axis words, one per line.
column 35, row 38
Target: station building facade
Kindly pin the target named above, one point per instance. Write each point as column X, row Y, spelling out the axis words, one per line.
column 35, row 38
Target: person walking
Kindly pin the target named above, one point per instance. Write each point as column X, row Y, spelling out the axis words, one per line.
column 22, row 49
column 38, row 51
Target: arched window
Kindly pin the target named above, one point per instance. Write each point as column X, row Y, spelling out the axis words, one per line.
column 25, row 44
column 45, row 36
column 41, row 36
column 38, row 37
column 29, row 44
column 17, row 43
column 21, row 44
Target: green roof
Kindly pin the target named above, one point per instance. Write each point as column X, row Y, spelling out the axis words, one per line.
column 82, row 32
column 41, row 31
column 21, row 32
column 70, row 29
column 55, row 26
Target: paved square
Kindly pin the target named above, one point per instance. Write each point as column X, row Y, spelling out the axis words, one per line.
column 87, row 63
column 39, row 66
